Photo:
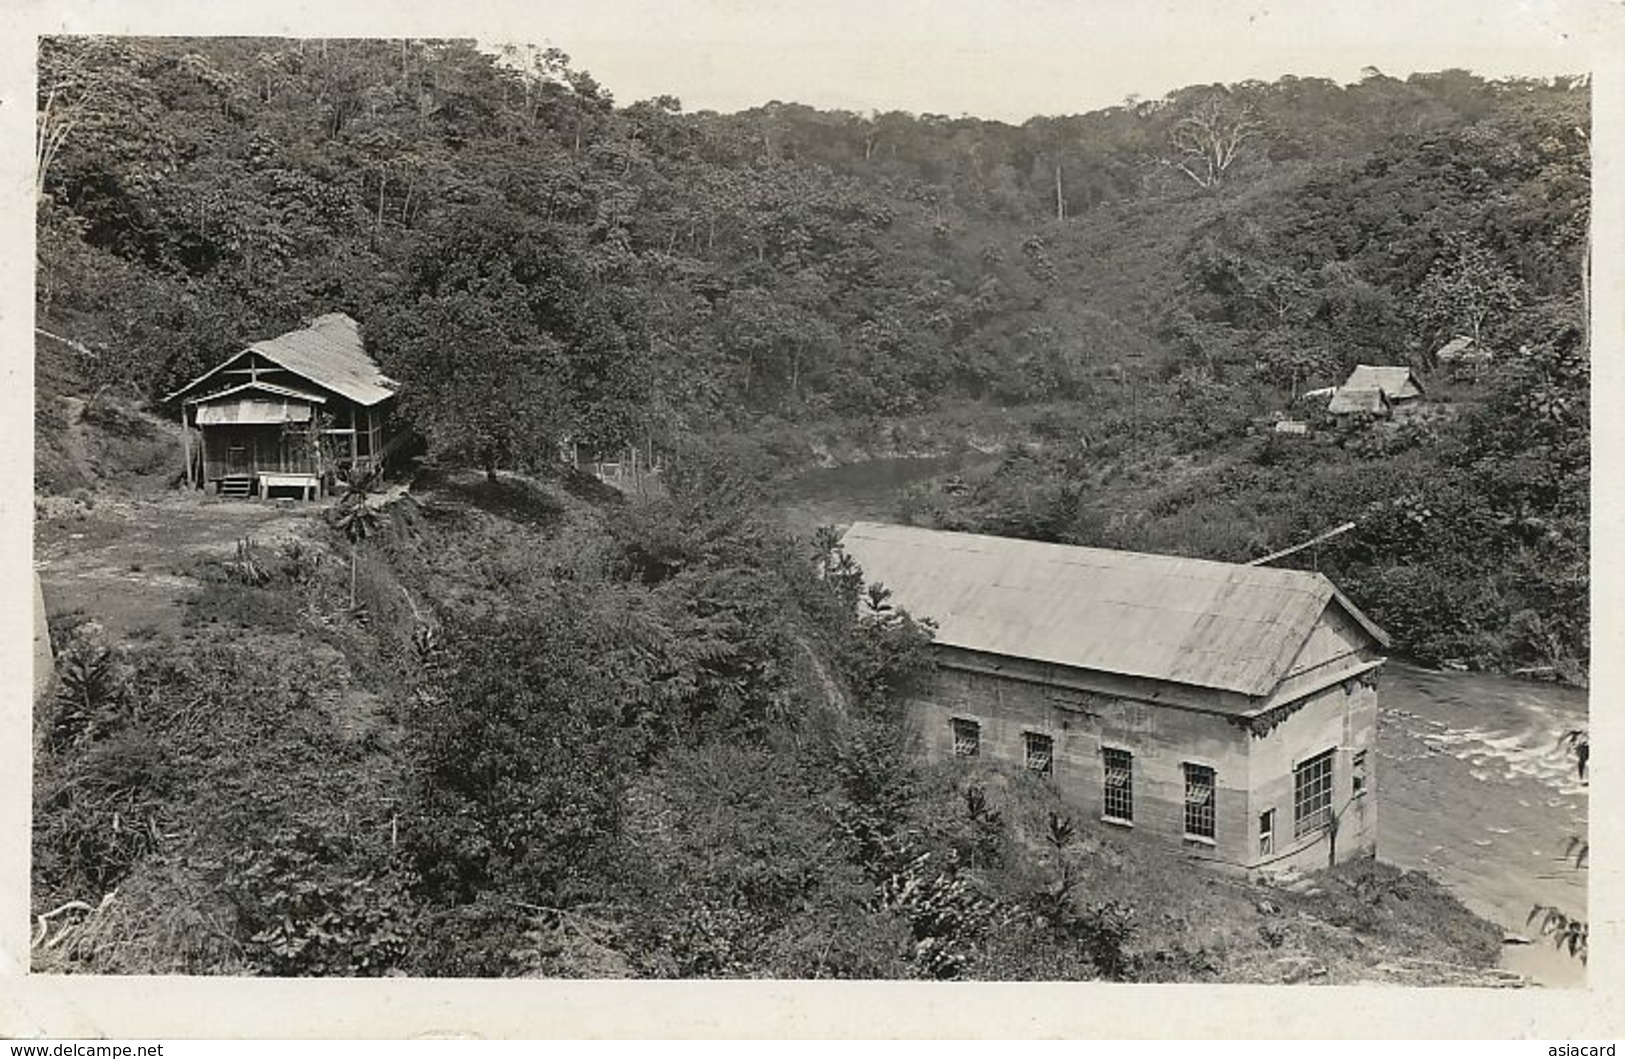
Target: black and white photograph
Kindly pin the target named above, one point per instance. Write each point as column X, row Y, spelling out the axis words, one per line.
column 1027, row 493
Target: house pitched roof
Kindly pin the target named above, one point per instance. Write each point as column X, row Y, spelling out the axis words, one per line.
column 1461, row 347
column 1348, row 399
column 1397, row 381
column 1188, row 621
column 328, row 353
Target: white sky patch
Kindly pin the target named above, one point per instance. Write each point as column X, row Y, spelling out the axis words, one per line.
column 1020, row 58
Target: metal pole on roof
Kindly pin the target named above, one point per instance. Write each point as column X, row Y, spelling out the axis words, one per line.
column 1310, row 543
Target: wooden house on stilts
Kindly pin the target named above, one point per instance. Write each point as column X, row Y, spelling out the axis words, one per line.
column 288, row 413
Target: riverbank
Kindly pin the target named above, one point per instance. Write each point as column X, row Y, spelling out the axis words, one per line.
column 784, row 451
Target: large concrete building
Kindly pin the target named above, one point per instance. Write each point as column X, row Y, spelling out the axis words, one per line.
column 1227, row 710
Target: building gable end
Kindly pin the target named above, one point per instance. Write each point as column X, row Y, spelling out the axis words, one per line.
column 251, row 368
column 1338, row 646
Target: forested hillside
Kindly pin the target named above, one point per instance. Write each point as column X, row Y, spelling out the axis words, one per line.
column 534, row 261
column 789, row 261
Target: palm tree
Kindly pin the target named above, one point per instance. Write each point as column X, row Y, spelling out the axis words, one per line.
column 355, row 518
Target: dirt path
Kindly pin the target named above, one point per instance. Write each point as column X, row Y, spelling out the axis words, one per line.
column 129, row 563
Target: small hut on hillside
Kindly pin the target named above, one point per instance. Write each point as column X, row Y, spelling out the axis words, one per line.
column 1382, row 390
column 1368, row 400
column 1462, row 352
column 288, row 413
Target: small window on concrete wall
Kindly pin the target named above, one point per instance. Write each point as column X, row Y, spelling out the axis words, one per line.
column 1358, row 772
column 967, row 737
column 1200, row 814
column 1266, row 832
column 1312, row 794
column 1119, row 800
column 1040, row 753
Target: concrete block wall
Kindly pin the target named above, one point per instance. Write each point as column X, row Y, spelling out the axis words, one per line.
column 44, row 660
column 1253, row 772
column 1080, row 723
column 1341, row 718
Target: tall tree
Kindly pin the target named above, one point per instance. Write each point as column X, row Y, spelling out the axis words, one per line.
column 1209, row 138
column 504, row 342
column 1467, row 288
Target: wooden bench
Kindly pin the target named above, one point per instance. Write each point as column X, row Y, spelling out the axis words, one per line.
column 309, row 485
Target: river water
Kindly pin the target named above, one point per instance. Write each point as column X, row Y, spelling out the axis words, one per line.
column 869, row 490
column 1473, row 787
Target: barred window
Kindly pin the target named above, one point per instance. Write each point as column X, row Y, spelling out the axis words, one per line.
column 1357, row 772
column 967, row 737
column 1312, row 794
column 1200, row 814
column 1119, row 803
column 1040, row 753
column 1266, row 832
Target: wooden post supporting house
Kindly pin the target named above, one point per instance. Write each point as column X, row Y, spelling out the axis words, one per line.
column 186, row 450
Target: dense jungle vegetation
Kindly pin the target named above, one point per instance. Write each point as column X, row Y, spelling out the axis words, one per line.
column 556, row 732
column 539, row 730
column 533, row 261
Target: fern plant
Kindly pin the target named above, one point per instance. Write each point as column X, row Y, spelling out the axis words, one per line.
column 89, row 694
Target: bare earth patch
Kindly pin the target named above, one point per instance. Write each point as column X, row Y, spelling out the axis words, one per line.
column 130, row 563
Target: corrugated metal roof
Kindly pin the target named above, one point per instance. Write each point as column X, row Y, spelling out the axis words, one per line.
column 1190, row 621
column 1351, row 399
column 1397, row 381
column 329, row 353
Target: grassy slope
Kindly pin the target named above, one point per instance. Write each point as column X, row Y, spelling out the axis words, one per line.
column 92, row 441
column 1363, row 922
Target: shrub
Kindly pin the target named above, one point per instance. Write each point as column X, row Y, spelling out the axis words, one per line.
column 90, row 694
column 520, row 757
column 244, row 607
column 249, row 567
column 297, row 561
column 90, row 840
column 310, row 906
